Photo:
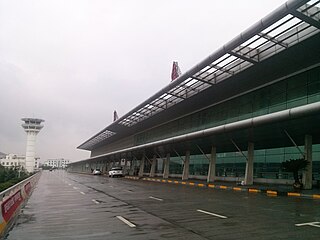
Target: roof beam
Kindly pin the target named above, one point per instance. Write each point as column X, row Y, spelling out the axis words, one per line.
column 246, row 53
column 175, row 95
column 202, row 80
column 222, row 69
column 211, row 76
column 251, row 60
column 156, row 106
column 188, row 88
column 138, row 113
column 306, row 19
column 272, row 39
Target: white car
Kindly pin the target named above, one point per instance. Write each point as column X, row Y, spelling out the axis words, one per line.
column 96, row 172
column 116, row 171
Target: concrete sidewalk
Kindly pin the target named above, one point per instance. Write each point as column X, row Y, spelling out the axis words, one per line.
column 269, row 189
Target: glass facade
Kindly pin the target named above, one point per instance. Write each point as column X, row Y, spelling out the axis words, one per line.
column 176, row 165
column 267, row 163
column 301, row 89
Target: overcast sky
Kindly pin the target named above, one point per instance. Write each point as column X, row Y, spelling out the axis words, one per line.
column 72, row 62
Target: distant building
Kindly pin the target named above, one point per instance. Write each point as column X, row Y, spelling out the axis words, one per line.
column 16, row 160
column 13, row 160
column 57, row 163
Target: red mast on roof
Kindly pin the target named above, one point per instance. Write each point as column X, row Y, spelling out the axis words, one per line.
column 175, row 71
column 115, row 116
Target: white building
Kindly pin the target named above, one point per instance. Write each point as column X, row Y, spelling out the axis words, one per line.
column 13, row 160
column 57, row 163
column 16, row 160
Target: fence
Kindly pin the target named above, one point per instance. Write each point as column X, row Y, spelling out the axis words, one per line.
column 12, row 199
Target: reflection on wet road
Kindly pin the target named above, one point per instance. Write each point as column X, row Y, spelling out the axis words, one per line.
column 74, row 206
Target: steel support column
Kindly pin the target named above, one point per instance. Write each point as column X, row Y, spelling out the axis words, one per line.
column 153, row 166
column 185, row 174
column 104, row 167
column 125, row 166
column 141, row 170
column 212, row 165
column 307, row 174
column 131, row 168
column 110, row 165
column 248, row 179
column 166, row 167
column 134, row 165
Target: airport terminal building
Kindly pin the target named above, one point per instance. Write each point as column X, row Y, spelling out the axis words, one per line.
column 237, row 115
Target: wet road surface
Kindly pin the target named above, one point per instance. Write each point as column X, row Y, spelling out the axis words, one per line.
column 76, row 206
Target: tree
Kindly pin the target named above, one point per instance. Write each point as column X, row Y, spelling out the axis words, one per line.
column 294, row 166
column 10, row 176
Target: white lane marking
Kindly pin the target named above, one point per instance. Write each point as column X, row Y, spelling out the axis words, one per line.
column 126, row 221
column 159, row 199
column 95, row 201
column 213, row 214
column 82, row 193
column 75, row 188
column 312, row 224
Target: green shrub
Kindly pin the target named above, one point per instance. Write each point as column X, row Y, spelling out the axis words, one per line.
column 10, row 177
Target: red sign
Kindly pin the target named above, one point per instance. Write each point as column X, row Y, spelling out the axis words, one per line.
column 27, row 188
column 10, row 205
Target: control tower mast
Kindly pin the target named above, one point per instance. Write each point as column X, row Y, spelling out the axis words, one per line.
column 32, row 127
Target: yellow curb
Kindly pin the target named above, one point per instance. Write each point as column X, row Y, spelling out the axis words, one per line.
column 200, row 185
column 291, row 194
column 223, row 187
column 272, row 192
column 237, row 189
column 211, row 185
column 184, row 183
column 163, row 181
column 2, row 226
column 191, row 183
column 169, row 181
column 317, row 196
column 252, row 190
column 176, row 182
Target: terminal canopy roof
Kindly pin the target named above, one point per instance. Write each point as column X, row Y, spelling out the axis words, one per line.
column 281, row 33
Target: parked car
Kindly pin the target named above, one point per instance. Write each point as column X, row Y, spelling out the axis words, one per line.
column 116, row 172
column 96, row 172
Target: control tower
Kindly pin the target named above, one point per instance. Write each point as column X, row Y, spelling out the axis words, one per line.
column 32, row 127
